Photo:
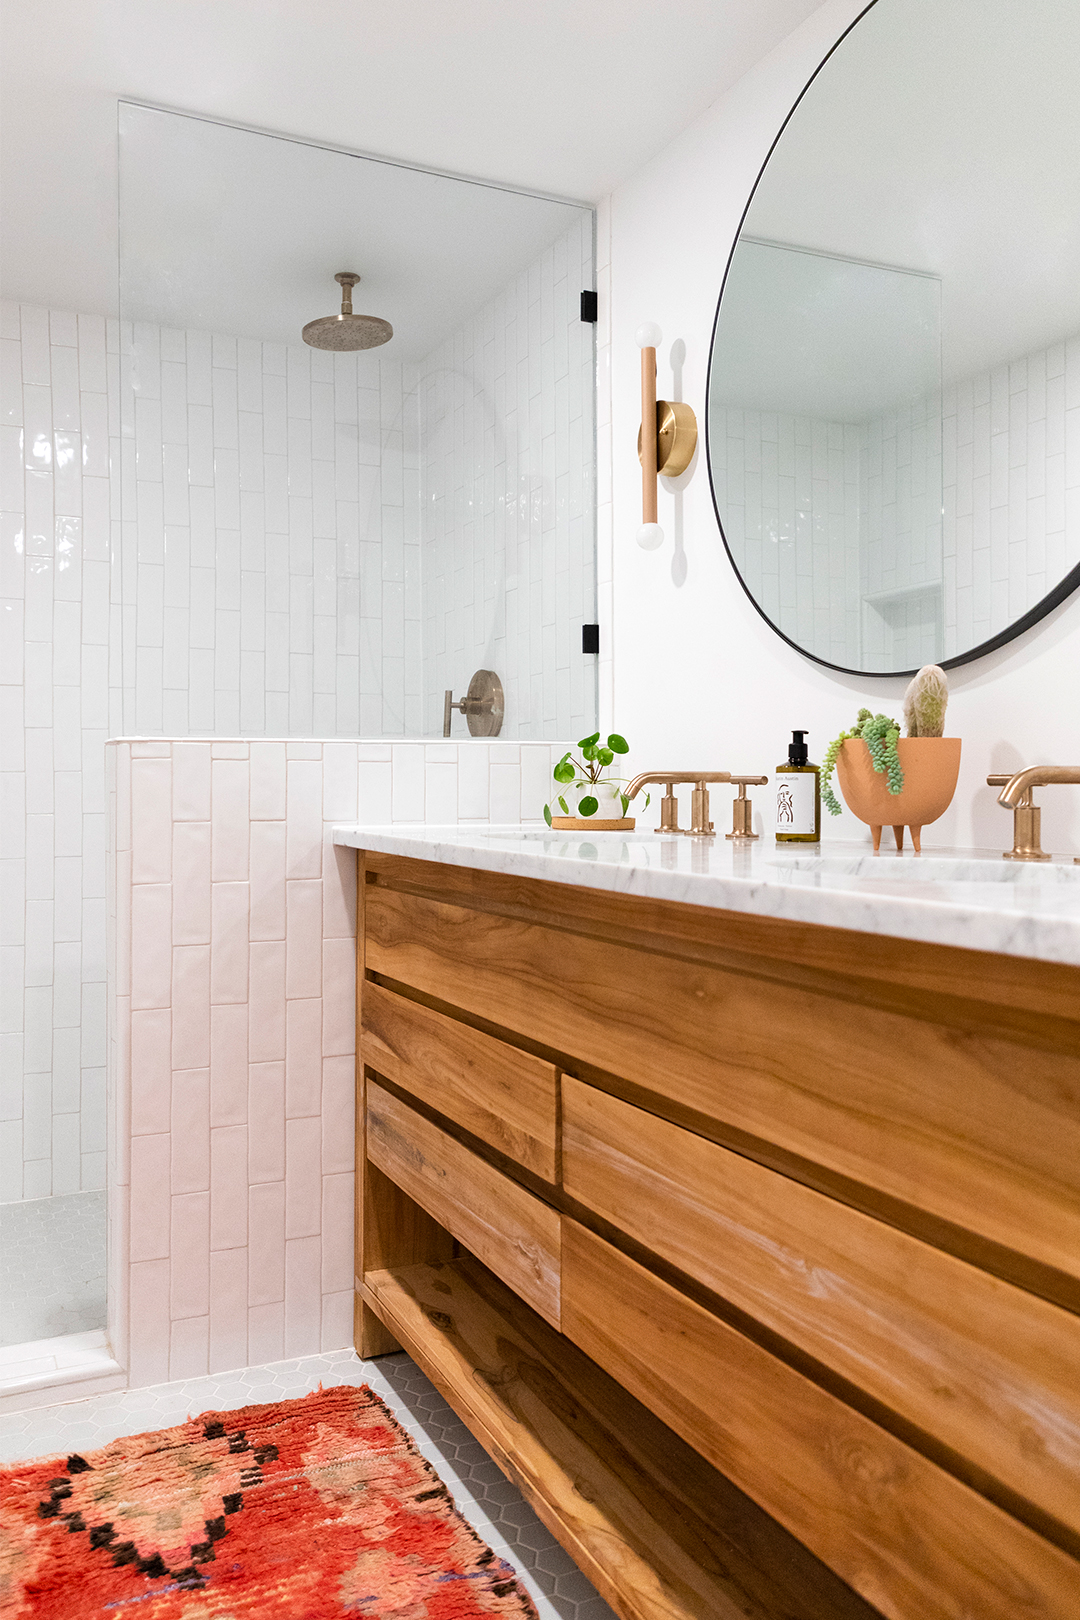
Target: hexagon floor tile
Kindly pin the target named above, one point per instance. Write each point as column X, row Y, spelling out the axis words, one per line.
column 493, row 1506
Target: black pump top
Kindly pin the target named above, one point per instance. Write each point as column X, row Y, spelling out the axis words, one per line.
column 798, row 753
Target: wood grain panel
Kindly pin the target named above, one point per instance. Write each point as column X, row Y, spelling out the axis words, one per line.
column 985, row 1368
column 501, row 1094
column 914, row 1541
column 512, row 1232
column 892, row 967
column 661, row 1534
column 977, row 1128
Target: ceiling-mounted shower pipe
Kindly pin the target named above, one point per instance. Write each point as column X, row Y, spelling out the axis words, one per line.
column 666, row 439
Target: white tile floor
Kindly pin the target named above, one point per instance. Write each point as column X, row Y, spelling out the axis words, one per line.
column 495, row 1508
column 52, row 1267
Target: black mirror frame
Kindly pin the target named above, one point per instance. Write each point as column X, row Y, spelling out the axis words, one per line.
column 1054, row 598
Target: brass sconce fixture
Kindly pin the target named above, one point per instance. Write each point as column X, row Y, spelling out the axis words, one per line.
column 666, row 439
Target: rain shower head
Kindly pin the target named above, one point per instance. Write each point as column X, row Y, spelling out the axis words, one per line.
column 347, row 331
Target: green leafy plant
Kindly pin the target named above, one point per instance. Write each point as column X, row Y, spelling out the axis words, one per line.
column 881, row 735
column 588, row 772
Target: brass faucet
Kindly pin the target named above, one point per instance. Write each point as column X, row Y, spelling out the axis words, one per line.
column 1015, row 795
column 700, row 825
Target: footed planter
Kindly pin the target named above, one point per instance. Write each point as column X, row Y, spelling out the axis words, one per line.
column 931, row 766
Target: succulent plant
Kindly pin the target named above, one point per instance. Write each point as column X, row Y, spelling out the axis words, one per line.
column 881, row 734
column 925, row 702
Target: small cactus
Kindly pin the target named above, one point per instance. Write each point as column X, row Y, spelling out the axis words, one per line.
column 925, row 702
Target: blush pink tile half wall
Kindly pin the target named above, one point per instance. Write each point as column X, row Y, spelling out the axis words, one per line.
column 232, row 948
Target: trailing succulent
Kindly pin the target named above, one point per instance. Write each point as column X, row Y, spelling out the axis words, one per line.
column 925, row 702
column 589, row 772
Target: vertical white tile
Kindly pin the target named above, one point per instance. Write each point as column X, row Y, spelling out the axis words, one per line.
column 337, row 1233
column 303, row 1177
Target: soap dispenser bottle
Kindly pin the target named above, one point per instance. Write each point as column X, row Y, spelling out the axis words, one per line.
column 798, row 796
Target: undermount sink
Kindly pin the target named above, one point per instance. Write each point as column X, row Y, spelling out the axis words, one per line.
column 931, row 869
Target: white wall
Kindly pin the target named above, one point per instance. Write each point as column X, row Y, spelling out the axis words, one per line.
column 699, row 677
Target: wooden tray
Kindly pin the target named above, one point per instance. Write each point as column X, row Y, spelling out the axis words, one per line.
column 593, row 824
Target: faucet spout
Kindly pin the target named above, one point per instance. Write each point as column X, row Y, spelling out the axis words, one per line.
column 1034, row 776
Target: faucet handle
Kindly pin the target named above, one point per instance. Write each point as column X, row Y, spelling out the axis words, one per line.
column 742, row 811
column 1027, row 831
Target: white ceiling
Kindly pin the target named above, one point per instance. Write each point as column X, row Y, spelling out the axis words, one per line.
column 565, row 97
column 225, row 230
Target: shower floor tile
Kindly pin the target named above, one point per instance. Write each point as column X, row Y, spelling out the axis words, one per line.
column 492, row 1505
column 52, row 1267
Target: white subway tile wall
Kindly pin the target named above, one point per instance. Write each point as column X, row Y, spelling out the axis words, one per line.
column 58, row 431
column 915, row 535
column 507, row 487
column 233, row 938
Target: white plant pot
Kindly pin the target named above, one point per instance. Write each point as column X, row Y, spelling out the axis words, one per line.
column 609, row 805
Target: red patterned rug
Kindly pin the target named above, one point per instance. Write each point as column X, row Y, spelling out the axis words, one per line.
column 316, row 1507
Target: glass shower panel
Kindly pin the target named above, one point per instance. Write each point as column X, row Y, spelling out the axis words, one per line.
column 319, row 543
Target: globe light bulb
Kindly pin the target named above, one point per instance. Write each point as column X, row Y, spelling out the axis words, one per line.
column 649, row 536
column 648, row 335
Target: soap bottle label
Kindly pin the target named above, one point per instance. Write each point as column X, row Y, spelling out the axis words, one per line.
column 796, row 802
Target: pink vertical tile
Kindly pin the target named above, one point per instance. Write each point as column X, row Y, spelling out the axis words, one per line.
column 190, row 1134
column 228, row 1065
column 190, row 1255
column 303, row 1177
column 266, row 1002
column 191, row 1007
column 266, row 1248
column 338, row 1114
column 151, row 1071
column 304, row 819
column 228, row 1310
column 151, row 944
column 229, row 818
column 149, row 1198
column 303, row 1057
column 122, row 788
column 266, row 1122
column 228, row 1187
column 303, row 938
column 303, row 1299
column 151, row 820
column 189, row 1343
column 339, row 781
column 267, row 781
column 339, row 891
column 149, row 1325
column 191, row 883
column 121, row 894
column 267, row 880
column 230, row 905
column 337, row 1321
column 266, row 1333
column 339, row 997
column 337, row 1233
column 191, row 781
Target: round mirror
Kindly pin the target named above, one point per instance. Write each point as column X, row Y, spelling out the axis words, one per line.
column 894, row 388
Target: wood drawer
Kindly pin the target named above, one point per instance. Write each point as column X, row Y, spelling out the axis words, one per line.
column 989, row 1370
column 905, row 1534
column 501, row 1094
column 935, row 1104
column 516, row 1235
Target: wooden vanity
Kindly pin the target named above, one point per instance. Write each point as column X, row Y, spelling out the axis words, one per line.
column 750, row 1249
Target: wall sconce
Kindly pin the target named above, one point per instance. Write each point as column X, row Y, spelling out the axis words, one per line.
column 666, row 439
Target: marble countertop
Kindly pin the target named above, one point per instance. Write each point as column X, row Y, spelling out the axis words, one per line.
column 968, row 898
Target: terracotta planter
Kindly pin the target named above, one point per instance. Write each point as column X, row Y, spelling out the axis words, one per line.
column 931, row 766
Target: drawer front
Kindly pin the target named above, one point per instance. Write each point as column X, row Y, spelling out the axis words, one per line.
column 504, row 1096
column 978, row 1128
column 989, row 1370
column 909, row 1537
column 516, row 1235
